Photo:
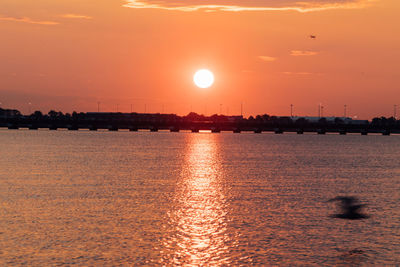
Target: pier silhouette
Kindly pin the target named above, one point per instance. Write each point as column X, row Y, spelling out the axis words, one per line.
column 114, row 121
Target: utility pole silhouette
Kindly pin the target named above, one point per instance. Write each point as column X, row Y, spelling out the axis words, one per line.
column 319, row 110
column 345, row 111
column 291, row 110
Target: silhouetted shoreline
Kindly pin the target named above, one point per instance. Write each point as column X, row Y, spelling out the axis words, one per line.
column 13, row 119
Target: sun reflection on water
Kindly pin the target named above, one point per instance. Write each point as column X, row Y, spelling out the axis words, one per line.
column 198, row 215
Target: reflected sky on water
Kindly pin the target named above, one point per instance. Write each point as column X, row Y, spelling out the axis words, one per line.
column 121, row 198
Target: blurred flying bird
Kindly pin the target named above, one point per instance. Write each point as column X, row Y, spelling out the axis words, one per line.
column 350, row 208
column 313, row 36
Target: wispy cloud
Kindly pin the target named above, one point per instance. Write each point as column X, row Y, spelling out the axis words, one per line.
column 267, row 58
column 299, row 53
column 301, row 73
column 249, row 5
column 28, row 20
column 75, row 16
column 297, row 73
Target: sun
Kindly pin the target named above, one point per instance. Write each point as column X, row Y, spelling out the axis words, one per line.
column 203, row 78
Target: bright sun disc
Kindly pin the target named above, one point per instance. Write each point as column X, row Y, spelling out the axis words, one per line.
column 203, row 78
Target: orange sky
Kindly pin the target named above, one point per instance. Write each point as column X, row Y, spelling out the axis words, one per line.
column 70, row 54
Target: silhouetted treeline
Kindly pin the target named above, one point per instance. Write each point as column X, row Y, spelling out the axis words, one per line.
column 385, row 122
column 259, row 121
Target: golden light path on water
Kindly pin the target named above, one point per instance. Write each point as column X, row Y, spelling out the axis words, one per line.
column 199, row 215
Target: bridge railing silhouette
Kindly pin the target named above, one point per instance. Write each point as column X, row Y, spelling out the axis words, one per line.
column 173, row 123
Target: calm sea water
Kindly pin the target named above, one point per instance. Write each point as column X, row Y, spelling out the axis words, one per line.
column 121, row 198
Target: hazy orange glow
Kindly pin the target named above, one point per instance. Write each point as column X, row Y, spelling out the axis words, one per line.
column 71, row 54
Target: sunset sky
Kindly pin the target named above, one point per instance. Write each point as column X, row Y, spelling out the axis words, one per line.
column 71, row 54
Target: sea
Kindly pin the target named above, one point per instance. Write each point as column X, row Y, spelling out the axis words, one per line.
column 196, row 199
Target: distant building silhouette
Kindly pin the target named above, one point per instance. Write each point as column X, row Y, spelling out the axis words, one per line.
column 9, row 113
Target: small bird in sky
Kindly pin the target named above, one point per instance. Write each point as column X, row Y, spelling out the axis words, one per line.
column 313, row 36
column 350, row 208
